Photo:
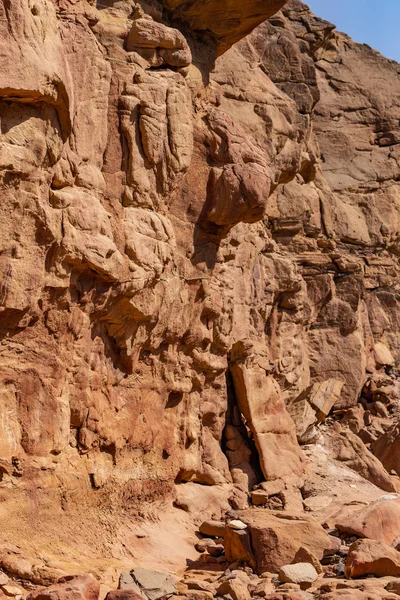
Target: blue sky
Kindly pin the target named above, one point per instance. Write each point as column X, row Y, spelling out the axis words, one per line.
column 372, row 22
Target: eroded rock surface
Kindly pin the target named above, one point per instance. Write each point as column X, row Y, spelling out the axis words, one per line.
column 198, row 272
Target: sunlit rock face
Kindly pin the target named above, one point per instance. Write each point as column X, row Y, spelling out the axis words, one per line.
column 189, row 244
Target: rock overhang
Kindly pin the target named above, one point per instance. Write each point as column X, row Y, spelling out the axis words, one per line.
column 227, row 21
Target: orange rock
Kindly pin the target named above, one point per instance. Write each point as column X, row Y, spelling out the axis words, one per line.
column 84, row 587
column 387, row 448
column 378, row 521
column 238, row 546
column 304, row 555
column 124, row 595
column 277, row 537
column 260, row 401
column 347, row 447
column 370, row 557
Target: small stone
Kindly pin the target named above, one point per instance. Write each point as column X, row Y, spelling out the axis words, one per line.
column 123, row 595
column 207, row 559
column 216, row 550
column 289, row 587
column 298, row 573
column 339, row 570
column 236, row 588
column 237, row 524
column 200, row 585
column 201, row 546
column 212, row 528
column 196, row 595
column 259, row 497
column 12, row 590
column 263, row 588
column 3, row 578
column 304, row 555
column 273, row 487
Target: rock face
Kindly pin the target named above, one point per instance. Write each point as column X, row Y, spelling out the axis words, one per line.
column 198, row 255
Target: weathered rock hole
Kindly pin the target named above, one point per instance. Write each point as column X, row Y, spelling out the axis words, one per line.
column 174, row 398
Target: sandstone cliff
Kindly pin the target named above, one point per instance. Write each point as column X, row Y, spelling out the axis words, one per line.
column 199, row 263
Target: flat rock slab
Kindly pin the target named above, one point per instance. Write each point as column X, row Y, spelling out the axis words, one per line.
column 148, row 583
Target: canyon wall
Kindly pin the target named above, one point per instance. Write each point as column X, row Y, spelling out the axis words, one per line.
column 199, row 249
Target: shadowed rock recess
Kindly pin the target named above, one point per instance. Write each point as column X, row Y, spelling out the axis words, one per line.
column 199, row 303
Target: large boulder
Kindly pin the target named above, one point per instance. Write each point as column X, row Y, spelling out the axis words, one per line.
column 370, row 557
column 387, row 448
column 347, row 447
column 276, row 538
column 379, row 521
column 84, row 587
column 260, row 401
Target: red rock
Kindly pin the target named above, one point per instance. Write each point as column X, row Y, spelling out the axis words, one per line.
column 276, row 538
column 300, row 573
column 349, row 449
column 212, row 528
column 208, row 17
column 238, row 546
column 260, row 401
column 378, row 521
column 304, row 555
column 370, row 557
column 387, row 449
column 236, row 588
column 84, row 587
column 123, row 595
column 159, row 226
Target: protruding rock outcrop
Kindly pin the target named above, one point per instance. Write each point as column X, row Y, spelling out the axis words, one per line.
column 228, row 20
